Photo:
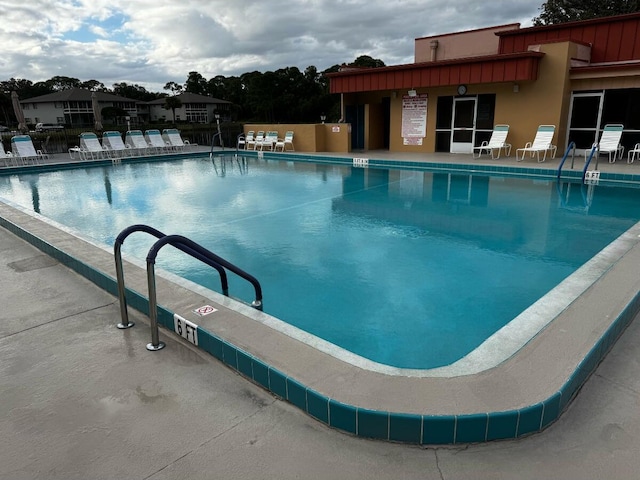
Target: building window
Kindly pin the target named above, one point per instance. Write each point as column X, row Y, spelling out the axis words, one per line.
column 197, row 117
column 58, row 105
column 25, row 106
column 592, row 110
column 35, row 106
column 60, row 120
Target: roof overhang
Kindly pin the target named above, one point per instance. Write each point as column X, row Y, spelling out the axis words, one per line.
column 605, row 70
column 515, row 67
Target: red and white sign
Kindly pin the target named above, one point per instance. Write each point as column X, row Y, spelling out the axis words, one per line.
column 204, row 310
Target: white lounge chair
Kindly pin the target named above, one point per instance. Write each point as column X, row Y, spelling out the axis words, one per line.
column 609, row 143
column 22, row 149
column 172, row 138
column 257, row 140
column 6, row 157
column 633, row 153
column 269, row 141
column 155, row 141
column 542, row 143
column 496, row 143
column 285, row 144
column 244, row 140
column 91, row 148
column 134, row 139
column 112, row 141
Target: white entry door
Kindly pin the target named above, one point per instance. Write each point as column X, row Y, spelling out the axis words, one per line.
column 463, row 125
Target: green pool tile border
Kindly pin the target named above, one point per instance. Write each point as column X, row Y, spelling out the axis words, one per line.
column 478, row 167
column 519, row 170
column 380, row 425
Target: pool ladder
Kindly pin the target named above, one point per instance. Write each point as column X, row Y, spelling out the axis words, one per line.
column 571, row 149
column 190, row 248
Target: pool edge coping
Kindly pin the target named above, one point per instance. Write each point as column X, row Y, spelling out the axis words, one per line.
column 361, row 421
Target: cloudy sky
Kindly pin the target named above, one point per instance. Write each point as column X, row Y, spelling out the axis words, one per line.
column 152, row 42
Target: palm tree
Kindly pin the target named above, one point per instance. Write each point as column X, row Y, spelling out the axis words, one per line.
column 171, row 103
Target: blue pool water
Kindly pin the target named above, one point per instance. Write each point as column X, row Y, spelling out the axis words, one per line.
column 406, row 268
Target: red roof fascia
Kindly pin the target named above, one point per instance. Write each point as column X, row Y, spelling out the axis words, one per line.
column 606, row 67
column 514, row 67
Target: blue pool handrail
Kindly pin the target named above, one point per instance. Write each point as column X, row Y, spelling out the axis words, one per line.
column 586, row 164
column 213, row 142
column 571, row 148
column 117, row 254
column 197, row 251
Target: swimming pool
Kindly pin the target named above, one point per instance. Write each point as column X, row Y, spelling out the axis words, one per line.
column 411, row 269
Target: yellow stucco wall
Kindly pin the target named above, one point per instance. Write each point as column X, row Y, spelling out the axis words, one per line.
column 543, row 102
column 311, row 137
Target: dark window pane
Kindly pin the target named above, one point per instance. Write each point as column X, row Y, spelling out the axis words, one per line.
column 622, row 106
column 481, row 137
column 443, row 115
column 463, row 136
column 443, row 140
column 486, row 111
column 585, row 112
column 583, row 139
column 464, row 114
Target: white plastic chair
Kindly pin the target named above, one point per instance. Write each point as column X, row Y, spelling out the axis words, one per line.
column 22, row 149
column 6, row 157
column 155, row 141
column 283, row 143
column 633, row 153
column 496, row 143
column 609, row 143
column 543, row 142
column 245, row 140
column 112, row 141
column 172, row 138
column 91, row 148
column 134, row 139
column 269, row 141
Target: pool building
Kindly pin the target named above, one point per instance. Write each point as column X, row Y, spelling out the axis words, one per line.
column 578, row 76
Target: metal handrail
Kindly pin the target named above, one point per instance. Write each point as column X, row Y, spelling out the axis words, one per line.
column 594, row 149
column 213, row 141
column 572, row 148
column 192, row 247
column 563, row 201
column 117, row 253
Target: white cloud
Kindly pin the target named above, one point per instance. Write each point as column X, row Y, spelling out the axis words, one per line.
column 151, row 42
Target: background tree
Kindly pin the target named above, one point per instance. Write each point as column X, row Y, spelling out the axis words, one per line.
column 171, row 103
column 113, row 113
column 175, row 88
column 561, row 11
column 59, row 82
column 284, row 96
column 25, row 88
column 196, row 83
column 136, row 92
column 367, row 61
column 93, row 85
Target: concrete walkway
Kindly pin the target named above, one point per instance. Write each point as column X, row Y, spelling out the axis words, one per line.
column 82, row 399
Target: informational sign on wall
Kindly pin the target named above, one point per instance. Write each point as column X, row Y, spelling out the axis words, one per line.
column 414, row 119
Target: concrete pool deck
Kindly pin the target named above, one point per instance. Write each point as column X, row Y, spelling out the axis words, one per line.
column 71, row 376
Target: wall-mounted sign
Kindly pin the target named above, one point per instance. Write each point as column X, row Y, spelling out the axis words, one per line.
column 414, row 119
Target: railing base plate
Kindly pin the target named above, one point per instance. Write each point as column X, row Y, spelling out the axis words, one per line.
column 151, row 347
